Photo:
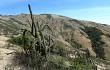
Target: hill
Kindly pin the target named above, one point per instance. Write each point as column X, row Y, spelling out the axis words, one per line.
column 71, row 32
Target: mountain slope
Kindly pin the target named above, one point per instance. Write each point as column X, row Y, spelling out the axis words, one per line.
column 73, row 33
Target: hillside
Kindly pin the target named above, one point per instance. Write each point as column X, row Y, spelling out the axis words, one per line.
column 73, row 33
column 69, row 30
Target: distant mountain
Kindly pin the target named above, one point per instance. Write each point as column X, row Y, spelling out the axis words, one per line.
column 73, row 33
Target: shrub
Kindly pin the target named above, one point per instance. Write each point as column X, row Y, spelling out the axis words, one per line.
column 81, row 64
column 56, row 62
column 18, row 40
column 60, row 49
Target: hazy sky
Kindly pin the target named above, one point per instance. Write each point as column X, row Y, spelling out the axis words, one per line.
column 93, row 10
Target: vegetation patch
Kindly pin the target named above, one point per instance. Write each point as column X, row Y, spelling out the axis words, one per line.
column 78, row 22
column 44, row 53
column 66, row 26
column 94, row 35
column 59, row 49
column 48, row 16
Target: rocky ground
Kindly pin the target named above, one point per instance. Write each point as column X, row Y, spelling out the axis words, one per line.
column 8, row 57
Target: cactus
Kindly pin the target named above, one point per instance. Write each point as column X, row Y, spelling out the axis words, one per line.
column 38, row 44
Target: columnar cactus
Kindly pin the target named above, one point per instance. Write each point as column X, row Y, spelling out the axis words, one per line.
column 37, row 43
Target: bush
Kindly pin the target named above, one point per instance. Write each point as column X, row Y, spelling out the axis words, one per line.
column 60, row 49
column 81, row 64
column 18, row 40
column 56, row 62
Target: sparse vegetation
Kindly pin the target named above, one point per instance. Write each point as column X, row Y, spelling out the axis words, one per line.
column 59, row 60
column 8, row 28
column 18, row 40
column 66, row 26
column 42, row 53
column 59, row 49
column 78, row 22
column 41, row 50
column 48, row 16
column 19, row 22
column 94, row 35
column 74, row 43
column 34, row 44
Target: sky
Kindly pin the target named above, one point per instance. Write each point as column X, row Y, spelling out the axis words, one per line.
column 91, row 10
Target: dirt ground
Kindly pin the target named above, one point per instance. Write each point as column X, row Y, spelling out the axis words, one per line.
column 8, row 57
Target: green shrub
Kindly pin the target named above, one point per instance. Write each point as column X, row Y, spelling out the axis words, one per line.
column 59, row 49
column 56, row 62
column 18, row 40
column 81, row 64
